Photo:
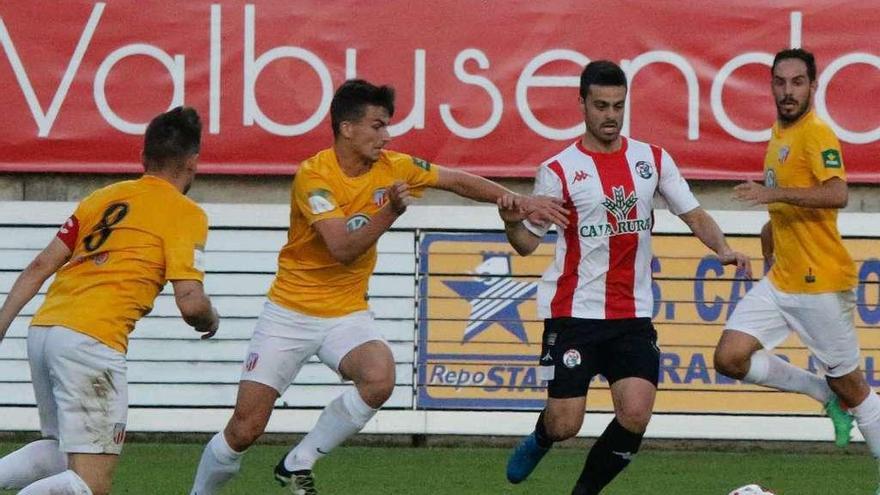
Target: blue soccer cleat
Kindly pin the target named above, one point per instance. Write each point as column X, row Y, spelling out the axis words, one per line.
column 524, row 459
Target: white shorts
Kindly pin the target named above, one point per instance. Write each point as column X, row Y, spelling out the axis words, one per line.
column 284, row 340
column 81, row 390
column 824, row 323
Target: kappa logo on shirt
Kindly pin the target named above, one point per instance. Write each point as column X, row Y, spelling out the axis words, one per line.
column 579, row 176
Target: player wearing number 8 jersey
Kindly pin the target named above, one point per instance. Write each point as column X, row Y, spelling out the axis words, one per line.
column 110, row 259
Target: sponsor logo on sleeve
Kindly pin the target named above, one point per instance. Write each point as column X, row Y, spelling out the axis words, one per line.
column 321, row 201
column 199, row 258
column 356, row 222
column 423, row 164
column 831, row 158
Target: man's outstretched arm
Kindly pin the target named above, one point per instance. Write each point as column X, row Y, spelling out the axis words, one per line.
column 28, row 283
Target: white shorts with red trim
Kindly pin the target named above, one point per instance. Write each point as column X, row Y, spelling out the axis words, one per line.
column 81, row 390
column 284, row 340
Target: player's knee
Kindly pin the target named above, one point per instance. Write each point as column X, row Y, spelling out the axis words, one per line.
column 376, row 385
column 564, row 429
column 100, row 486
column 243, row 430
column 377, row 392
column 634, row 418
column 730, row 364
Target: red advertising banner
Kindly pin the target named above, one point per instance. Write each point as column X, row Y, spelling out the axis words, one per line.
column 487, row 86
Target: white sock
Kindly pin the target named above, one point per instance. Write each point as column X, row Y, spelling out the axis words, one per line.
column 218, row 465
column 343, row 417
column 770, row 370
column 867, row 416
column 34, row 461
column 64, row 483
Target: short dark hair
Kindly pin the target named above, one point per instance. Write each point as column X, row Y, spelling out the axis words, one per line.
column 172, row 137
column 797, row 53
column 351, row 98
column 601, row 73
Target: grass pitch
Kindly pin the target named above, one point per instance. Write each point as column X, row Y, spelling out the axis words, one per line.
column 167, row 468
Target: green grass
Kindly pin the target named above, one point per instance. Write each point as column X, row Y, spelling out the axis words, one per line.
column 165, row 468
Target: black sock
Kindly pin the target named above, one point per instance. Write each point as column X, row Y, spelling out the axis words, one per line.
column 609, row 456
column 544, row 440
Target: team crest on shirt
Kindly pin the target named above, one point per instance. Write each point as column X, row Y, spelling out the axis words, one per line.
column 783, row 154
column 770, row 178
column 644, row 169
column 380, row 196
column 356, row 222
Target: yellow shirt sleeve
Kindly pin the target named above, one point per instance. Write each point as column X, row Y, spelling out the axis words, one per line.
column 184, row 247
column 313, row 197
column 418, row 173
column 823, row 153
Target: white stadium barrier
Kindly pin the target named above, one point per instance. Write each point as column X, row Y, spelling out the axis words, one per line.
column 465, row 359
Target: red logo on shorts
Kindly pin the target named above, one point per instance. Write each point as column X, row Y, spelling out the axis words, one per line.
column 119, row 433
column 251, row 361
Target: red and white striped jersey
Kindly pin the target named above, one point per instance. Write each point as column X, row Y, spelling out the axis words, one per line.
column 602, row 268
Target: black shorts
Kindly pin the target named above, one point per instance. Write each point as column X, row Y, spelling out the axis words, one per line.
column 574, row 350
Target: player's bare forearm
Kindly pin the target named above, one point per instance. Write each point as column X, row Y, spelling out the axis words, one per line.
column 522, row 240
column 767, row 240
column 709, row 233
column 25, row 288
column 30, row 280
column 831, row 194
column 706, row 230
column 345, row 246
column 195, row 306
column 470, row 186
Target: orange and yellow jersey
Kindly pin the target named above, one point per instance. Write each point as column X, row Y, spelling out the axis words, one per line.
column 127, row 240
column 309, row 279
column 809, row 254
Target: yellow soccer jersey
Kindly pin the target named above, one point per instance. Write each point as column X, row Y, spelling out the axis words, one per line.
column 309, row 280
column 127, row 240
column 810, row 256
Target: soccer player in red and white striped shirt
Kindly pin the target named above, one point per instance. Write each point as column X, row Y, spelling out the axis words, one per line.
column 596, row 297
